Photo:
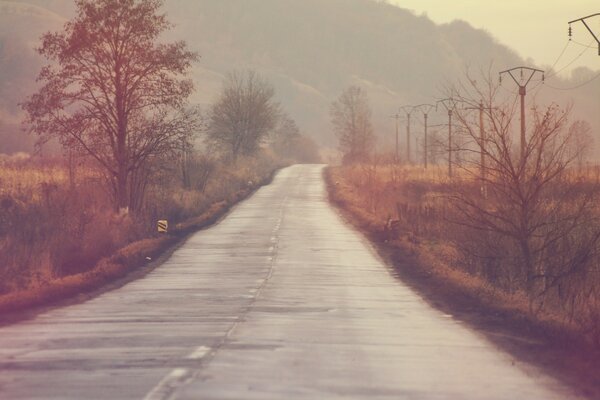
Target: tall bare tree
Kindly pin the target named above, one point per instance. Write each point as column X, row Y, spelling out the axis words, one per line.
column 114, row 92
column 527, row 223
column 244, row 115
column 351, row 119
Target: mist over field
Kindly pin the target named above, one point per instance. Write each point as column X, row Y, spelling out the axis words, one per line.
column 310, row 50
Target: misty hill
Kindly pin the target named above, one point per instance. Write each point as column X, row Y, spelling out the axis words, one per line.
column 310, row 50
column 21, row 25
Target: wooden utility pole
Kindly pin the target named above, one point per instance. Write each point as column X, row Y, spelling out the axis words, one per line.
column 522, row 84
column 408, row 111
column 425, row 109
column 397, row 117
column 450, row 105
column 482, row 140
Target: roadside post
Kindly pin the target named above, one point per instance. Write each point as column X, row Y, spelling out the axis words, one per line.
column 163, row 226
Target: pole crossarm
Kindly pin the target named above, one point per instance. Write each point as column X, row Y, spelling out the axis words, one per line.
column 584, row 18
column 522, row 94
column 449, row 104
column 532, row 72
column 407, row 109
column 584, row 22
column 424, row 108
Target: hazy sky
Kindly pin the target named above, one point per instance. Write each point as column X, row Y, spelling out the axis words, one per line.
column 536, row 29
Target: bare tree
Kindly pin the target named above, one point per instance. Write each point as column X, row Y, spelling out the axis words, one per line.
column 289, row 143
column 527, row 225
column 285, row 136
column 114, row 92
column 244, row 115
column 583, row 141
column 351, row 119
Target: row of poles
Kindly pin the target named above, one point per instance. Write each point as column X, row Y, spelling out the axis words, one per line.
column 450, row 105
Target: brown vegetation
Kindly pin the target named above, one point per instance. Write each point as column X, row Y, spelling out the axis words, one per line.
column 57, row 239
column 414, row 209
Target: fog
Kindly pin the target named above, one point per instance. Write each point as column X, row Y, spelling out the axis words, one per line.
column 309, row 49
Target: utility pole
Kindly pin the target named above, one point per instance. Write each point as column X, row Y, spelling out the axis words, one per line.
column 482, row 139
column 584, row 22
column 450, row 105
column 407, row 110
column 522, row 92
column 397, row 117
column 185, row 177
column 425, row 109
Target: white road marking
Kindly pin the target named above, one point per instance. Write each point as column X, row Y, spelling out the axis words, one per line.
column 199, row 353
column 167, row 385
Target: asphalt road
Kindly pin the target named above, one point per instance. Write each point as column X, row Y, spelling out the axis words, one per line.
column 281, row 300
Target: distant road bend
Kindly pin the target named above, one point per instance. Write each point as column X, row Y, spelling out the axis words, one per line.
column 281, row 300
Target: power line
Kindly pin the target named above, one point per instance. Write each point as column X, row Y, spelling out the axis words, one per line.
column 562, row 53
column 554, row 73
column 577, row 86
column 590, row 30
column 589, row 46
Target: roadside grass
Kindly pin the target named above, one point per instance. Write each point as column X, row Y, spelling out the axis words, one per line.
column 416, row 198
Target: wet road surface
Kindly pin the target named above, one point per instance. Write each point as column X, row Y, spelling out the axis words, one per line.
column 281, row 300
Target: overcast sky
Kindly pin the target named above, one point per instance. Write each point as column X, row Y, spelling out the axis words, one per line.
column 536, row 29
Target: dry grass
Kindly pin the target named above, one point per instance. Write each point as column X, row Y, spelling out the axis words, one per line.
column 56, row 240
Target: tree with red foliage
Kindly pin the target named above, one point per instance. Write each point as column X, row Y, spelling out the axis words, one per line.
column 114, row 92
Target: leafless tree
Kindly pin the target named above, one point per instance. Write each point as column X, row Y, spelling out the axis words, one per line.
column 583, row 141
column 285, row 136
column 114, row 92
column 351, row 119
column 241, row 120
column 289, row 143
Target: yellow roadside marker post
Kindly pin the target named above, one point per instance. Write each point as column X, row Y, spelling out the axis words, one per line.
column 163, row 226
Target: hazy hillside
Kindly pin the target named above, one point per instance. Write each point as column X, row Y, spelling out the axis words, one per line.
column 310, row 49
column 20, row 27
